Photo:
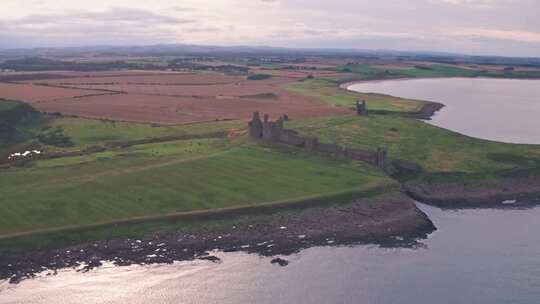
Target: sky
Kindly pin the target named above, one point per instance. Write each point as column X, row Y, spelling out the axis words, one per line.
column 480, row 27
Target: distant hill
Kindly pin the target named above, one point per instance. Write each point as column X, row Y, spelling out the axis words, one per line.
column 46, row 64
column 243, row 51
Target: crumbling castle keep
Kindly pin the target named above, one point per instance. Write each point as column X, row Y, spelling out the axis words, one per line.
column 273, row 131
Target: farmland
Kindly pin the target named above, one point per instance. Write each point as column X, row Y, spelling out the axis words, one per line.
column 35, row 94
column 157, row 77
column 90, row 132
column 299, row 90
column 167, row 98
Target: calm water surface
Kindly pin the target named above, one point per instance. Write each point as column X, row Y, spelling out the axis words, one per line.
column 506, row 110
column 477, row 256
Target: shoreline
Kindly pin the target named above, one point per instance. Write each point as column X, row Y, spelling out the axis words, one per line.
column 511, row 192
column 425, row 113
column 388, row 220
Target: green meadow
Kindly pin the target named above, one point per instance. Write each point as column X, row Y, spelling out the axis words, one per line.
column 89, row 132
column 329, row 91
column 164, row 178
column 435, row 149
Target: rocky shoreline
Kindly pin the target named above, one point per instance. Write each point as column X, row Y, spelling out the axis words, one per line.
column 509, row 192
column 389, row 219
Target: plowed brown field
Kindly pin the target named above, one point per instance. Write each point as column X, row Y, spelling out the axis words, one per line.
column 35, row 93
column 163, row 78
column 177, row 110
column 302, row 73
column 168, row 98
column 234, row 89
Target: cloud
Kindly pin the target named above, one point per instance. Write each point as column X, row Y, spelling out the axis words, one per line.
column 111, row 16
column 403, row 24
column 207, row 29
column 116, row 24
column 521, row 36
column 474, row 3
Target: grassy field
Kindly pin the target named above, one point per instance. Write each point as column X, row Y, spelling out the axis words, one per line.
column 177, row 148
column 165, row 178
column 434, row 148
column 84, row 133
column 328, row 90
column 149, row 179
column 210, row 220
column 89, row 132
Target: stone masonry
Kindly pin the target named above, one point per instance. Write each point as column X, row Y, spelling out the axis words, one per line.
column 275, row 132
column 256, row 126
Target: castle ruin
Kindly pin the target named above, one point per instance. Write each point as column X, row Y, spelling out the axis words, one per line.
column 274, row 131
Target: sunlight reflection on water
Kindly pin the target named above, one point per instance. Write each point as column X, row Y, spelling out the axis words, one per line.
column 476, row 256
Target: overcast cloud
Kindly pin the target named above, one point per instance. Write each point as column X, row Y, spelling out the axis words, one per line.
column 501, row 27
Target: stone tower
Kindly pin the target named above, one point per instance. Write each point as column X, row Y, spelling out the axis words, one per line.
column 361, row 108
column 256, row 126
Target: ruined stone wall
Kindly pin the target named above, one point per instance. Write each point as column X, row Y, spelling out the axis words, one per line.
column 292, row 138
column 256, row 126
column 361, row 155
column 274, row 132
column 329, row 149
